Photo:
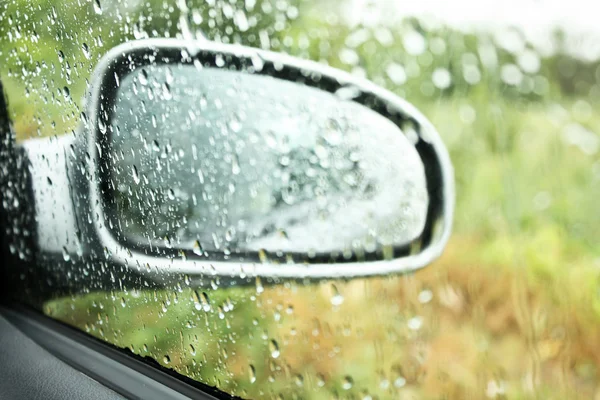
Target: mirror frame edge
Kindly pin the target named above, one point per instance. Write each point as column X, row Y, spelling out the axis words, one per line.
column 123, row 255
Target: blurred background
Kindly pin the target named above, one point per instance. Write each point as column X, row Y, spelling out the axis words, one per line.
column 512, row 308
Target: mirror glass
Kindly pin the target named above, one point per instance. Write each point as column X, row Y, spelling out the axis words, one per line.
column 211, row 159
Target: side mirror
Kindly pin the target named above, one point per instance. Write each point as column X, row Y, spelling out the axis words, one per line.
column 231, row 161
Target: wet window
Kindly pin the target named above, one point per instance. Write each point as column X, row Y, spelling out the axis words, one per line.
column 511, row 309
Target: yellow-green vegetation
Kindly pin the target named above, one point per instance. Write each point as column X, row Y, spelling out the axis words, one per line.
column 463, row 328
column 512, row 308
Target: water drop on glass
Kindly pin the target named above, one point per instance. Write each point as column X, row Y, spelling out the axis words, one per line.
column 84, row 119
column 320, row 380
column 425, row 296
column 166, row 91
column 347, row 383
column 235, row 165
column 259, row 286
column 399, row 382
column 415, row 323
column 205, row 301
column 66, row 93
column 101, row 126
column 196, row 300
column 86, row 51
column 97, row 7
column 197, row 248
column 66, row 255
column 135, row 175
column 274, row 349
column 336, row 299
column 252, row 373
column 143, row 77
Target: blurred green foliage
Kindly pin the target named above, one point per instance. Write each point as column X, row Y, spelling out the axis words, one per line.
column 514, row 308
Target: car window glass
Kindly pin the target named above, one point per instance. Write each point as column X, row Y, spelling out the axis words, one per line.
column 511, row 309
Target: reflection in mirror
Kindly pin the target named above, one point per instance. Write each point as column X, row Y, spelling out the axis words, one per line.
column 213, row 159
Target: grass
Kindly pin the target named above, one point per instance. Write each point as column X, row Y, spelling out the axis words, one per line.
column 451, row 330
column 511, row 310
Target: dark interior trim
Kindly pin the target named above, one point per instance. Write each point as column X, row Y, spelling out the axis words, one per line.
column 128, row 375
